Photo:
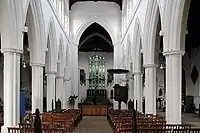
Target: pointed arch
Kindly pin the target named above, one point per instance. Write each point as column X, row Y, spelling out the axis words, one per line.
column 66, row 63
column 174, row 16
column 129, row 52
column 52, row 47
column 60, row 64
column 11, row 25
column 92, row 20
column 150, row 29
column 137, row 41
column 95, row 34
column 36, row 31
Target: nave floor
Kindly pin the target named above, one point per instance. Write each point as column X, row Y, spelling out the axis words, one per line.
column 94, row 124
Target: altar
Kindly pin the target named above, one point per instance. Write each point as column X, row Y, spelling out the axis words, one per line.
column 94, row 110
column 96, row 103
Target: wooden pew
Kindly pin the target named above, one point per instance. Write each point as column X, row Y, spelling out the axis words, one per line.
column 121, row 122
column 31, row 130
column 65, row 121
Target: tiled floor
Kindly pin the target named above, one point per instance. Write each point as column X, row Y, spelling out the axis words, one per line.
column 94, row 124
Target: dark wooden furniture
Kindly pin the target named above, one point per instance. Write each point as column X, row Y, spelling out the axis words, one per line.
column 94, row 110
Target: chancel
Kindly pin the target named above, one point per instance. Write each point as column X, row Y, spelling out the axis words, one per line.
column 119, row 66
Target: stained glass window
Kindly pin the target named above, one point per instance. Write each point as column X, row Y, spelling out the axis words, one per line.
column 96, row 72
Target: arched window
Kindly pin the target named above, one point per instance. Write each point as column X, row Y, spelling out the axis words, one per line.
column 96, row 72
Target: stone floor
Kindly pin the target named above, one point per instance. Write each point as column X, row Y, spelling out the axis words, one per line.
column 187, row 118
column 94, row 124
column 99, row 124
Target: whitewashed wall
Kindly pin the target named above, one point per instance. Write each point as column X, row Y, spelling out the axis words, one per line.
column 108, row 12
column 188, row 65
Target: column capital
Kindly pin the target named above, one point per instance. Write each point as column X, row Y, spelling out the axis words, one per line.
column 51, row 72
column 116, row 44
column 60, row 77
column 65, row 80
column 174, row 52
column 75, row 44
column 150, row 65
column 11, row 50
column 37, row 64
column 137, row 73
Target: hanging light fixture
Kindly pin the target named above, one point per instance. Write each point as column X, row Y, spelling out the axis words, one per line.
column 24, row 65
column 162, row 66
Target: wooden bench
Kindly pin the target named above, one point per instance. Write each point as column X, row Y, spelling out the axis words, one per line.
column 64, row 122
column 31, row 130
column 122, row 122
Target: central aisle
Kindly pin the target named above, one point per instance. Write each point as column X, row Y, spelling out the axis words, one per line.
column 94, row 124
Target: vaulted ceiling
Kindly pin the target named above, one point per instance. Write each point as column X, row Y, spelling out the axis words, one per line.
column 119, row 2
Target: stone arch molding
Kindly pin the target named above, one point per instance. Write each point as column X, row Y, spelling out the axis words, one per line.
column 92, row 20
column 36, row 31
column 129, row 52
column 66, row 63
column 150, row 29
column 173, row 25
column 52, row 47
column 161, row 7
column 138, row 45
column 95, row 34
column 60, row 63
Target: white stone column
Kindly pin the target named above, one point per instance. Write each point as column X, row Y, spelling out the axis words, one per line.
column 138, row 90
column 67, row 93
column 16, row 93
column 131, row 87
column 37, row 86
column 59, row 89
column 150, row 88
column 51, row 77
column 173, row 86
column 11, row 88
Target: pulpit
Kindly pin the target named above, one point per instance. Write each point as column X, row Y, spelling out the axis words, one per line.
column 120, row 94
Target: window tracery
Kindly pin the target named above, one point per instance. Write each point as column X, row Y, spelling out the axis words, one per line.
column 96, row 72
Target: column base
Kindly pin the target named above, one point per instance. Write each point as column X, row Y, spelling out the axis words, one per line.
column 4, row 129
column 64, row 105
column 115, row 104
column 76, row 105
column 123, row 106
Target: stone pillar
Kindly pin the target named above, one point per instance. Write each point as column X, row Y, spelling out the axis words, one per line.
column 59, row 88
column 16, row 93
column 150, row 88
column 131, row 87
column 173, row 86
column 65, row 95
column 51, row 77
column 11, row 88
column 37, row 86
column 138, row 90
